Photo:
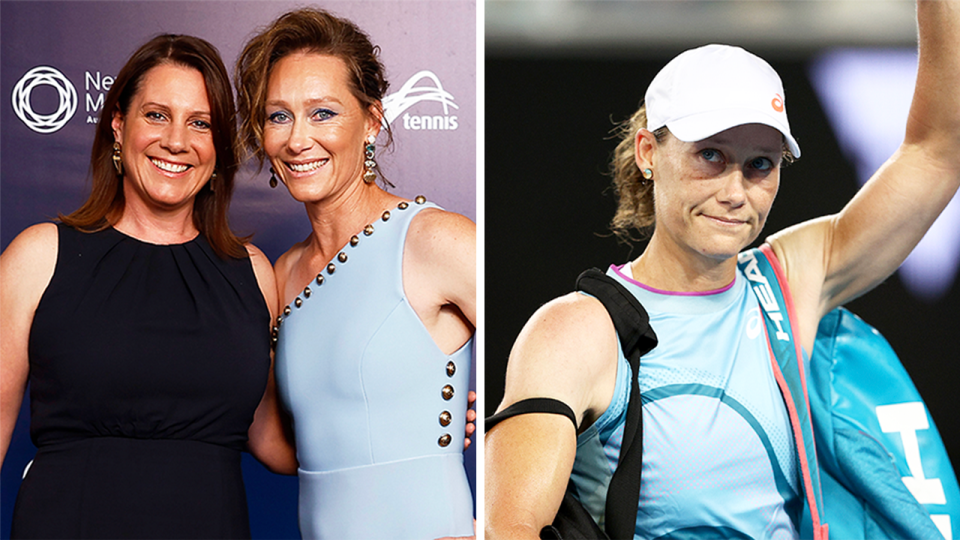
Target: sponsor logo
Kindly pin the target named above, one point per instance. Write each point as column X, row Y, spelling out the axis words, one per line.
column 397, row 104
column 22, row 106
column 94, row 84
column 754, row 323
column 768, row 300
column 777, row 103
column 906, row 419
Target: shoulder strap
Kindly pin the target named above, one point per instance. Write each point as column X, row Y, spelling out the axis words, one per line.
column 636, row 339
column 532, row 405
column 766, row 278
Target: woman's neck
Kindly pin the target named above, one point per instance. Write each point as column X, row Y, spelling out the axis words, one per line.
column 669, row 267
column 156, row 226
column 336, row 220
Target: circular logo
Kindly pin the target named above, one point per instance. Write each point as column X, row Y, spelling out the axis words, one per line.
column 777, row 103
column 40, row 76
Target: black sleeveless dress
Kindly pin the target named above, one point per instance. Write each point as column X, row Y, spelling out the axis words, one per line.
column 147, row 363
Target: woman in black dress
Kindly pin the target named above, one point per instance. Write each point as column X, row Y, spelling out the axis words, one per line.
column 141, row 321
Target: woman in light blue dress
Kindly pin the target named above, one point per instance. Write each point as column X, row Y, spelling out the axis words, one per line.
column 374, row 344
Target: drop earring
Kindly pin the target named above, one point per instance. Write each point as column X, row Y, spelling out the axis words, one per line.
column 369, row 175
column 117, row 159
column 273, row 178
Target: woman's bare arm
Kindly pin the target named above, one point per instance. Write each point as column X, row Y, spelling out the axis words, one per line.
column 26, row 267
column 568, row 352
column 834, row 259
column 270, row 438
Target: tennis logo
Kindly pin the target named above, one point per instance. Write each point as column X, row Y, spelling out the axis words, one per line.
column 410, row 94
column 22, row 106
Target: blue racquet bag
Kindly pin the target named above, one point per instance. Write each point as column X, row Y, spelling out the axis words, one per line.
column 884, row 472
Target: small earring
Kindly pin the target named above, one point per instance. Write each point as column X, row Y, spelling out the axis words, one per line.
column 117, row 159
column 273, row 178
column 213, row 178
column 647, row 174
column 369, row 175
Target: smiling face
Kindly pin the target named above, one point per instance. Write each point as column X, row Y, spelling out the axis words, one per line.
column 166, row 138
column 315, row 129
column 712, row 197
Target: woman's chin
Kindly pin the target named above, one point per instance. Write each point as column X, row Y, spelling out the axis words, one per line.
column 723, row 249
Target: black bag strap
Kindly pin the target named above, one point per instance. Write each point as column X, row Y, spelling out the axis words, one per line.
column 636, row 339
column 532, row 405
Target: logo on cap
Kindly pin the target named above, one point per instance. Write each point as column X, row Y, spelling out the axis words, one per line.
column 777, row 103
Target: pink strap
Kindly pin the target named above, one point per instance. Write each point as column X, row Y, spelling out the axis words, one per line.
column 820, row 532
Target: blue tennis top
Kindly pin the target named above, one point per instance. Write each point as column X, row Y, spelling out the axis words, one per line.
column 378, row 410
column 719, row 460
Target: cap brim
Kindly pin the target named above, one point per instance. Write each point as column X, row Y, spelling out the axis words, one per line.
column 700, row 126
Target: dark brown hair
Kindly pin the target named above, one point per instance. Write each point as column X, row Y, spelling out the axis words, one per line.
column 315, row 31
column 105, row 205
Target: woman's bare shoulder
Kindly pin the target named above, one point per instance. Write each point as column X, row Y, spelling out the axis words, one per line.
column 266, row 277
column 286, row 262
column 567, row 351
column 28, row 263
column 436, row 230
column 36, row 245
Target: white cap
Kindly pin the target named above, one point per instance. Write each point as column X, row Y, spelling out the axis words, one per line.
column 713, row 88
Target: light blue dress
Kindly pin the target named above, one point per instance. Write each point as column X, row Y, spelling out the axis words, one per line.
column 378, row 410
